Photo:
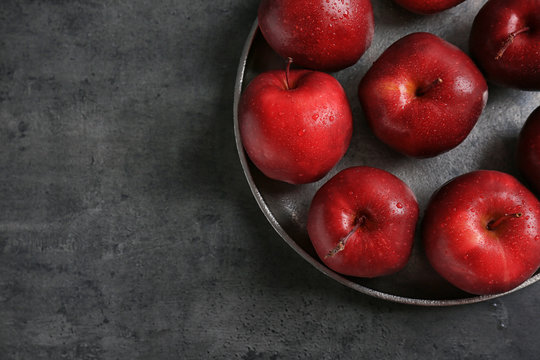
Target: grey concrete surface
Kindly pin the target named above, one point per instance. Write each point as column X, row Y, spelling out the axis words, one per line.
column 127, row 229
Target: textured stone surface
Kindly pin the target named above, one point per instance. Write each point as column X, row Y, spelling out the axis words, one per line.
column 127, row 229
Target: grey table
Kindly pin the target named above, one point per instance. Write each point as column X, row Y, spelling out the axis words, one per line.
column 127, row 229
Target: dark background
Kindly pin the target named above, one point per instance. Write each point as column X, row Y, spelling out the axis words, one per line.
column 127, row 228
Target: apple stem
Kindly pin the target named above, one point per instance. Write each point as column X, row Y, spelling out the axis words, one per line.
column 423, row 90
column 509, row 41
column 493, row 224
column 287, row 69
column 341, row 244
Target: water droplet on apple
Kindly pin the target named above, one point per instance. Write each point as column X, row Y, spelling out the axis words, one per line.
column 331, row 118
column 301, row 132
column 399, row 205
column 315, row 116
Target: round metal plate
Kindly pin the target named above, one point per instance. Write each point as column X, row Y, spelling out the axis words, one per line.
column 491, row 145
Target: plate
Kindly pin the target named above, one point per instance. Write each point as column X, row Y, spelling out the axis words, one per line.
column 491, row 145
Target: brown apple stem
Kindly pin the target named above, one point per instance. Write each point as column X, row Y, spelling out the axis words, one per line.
column 287, row 69
column 423, row 90
column 509, row 41
column 493, row 224
column 341, row 244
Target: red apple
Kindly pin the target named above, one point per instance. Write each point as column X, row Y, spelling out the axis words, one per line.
column 529, row 150
column 362, row 221
column 318, row 34
column 505, row 42
column 423, row 95
column 295, row 126
column 428, row 6
column 481, row 232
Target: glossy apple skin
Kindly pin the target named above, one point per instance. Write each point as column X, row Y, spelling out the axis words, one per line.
column 428, row 124
column 426, row 7
column 388, row 212
column 462, row 249
column 529, row 150
column 519, row 65
column 327, row 35
column 295, row 135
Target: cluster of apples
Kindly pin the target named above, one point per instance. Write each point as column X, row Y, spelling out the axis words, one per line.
column 422, row 97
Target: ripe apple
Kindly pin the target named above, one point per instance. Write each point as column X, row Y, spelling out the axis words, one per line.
column 529, row 150
column 423, row 95
column 362, row 222
column 427, row 6
column 505, row 42
column 324, row 35
column 481, row 232
column 295, row 125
